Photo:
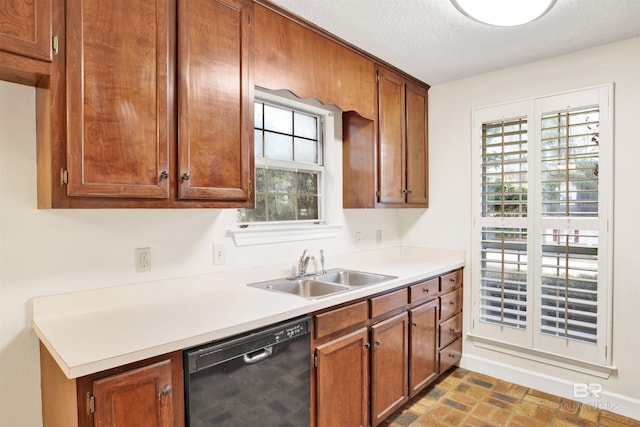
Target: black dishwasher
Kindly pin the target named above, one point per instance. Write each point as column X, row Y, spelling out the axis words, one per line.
column 261, row 378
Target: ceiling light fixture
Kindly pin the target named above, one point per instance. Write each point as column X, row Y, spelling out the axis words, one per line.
column 504, row 13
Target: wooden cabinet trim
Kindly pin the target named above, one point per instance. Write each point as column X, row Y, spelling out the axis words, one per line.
column 388, row 302
column 450, row 330
column 450, row 355
column 424, row 291
column 340, row 319
column 450, row 304
column 451, row 281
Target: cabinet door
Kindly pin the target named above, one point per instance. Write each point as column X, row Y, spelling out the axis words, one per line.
column 417, row 158
column 215, row 89
column 389, row 357
column 423, row 357
column 25, row 28
column 391, row 137
column 140, row 397
column 118, row 56
column 342, row 381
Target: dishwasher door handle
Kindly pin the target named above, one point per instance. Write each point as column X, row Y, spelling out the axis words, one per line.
column 266, row 352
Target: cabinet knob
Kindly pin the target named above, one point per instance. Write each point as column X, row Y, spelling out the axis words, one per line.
column 453, row 331
column 166, row 391
column 186, row 176
column 164, row 175
column 452, row 280
column 451, row 355
column 414, row 324
column 452, row 303
column 425, row 290
column 377, row 342
column 367, row 345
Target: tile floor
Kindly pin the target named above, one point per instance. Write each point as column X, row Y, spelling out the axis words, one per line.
column 465, row 398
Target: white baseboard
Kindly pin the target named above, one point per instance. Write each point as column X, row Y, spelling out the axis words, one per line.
column 613, row 402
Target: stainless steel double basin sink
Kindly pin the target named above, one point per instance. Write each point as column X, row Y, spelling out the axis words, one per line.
column 323, row 284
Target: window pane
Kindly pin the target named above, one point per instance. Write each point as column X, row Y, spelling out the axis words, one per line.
column 278, row 119
column 503, row 274
column 281, row 208
column 257, row 115
column 281, row 181
column 258, row 143
column 504, row 168
column 305, row 126
column 308, row 207
column 307, row 183
column 277, row 146
column 569, row 284
column 261, row 180
column 570, row 159
column 305, row 150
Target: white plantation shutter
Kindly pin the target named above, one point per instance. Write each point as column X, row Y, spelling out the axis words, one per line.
column 542, row 202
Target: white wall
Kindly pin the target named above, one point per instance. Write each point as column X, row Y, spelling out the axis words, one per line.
column 54, row 251
column 448, row 221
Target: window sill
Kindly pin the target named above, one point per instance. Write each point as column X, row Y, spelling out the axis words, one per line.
column 595, row 369
column 263, row 234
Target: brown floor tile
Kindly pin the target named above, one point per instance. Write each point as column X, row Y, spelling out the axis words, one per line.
column 526, row 409
column 541, row 401
column 543, row 395
column 463, row 398
column 610, row 416
column 565, row 418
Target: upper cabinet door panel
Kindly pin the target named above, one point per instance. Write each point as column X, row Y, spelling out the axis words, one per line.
column 215, row 99
column 293, row 57
column 25, row 28
column 392, row 136
column 417, row 179
column 117, row 94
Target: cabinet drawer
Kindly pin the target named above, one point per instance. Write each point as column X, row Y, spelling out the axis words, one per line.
column 339, row 319
column 450, row 355
column 450, row 304
column 389, row 302
column 450, row 330
column 424, row 290
column 451, row 281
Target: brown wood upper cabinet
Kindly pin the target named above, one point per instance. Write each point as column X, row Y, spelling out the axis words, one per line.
column 117, row 98
column 215, row 111
column 402, row 141
column 131, row 133
column 25, row 28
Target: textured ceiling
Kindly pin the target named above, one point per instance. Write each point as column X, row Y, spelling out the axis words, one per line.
column 434, row 42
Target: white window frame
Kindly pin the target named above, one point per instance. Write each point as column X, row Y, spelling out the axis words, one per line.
column 530, row 343
column 254, row 233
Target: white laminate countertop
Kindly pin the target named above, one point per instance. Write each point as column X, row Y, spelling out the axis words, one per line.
column 94, row 330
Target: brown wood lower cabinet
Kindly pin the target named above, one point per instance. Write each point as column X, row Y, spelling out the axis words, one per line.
column 342, row 380
column 148, row 393
column 407, row 337
column 389, row 358
column 423, row 357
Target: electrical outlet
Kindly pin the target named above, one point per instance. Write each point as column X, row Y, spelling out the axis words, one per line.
column 378, row 236
column 143, row 260
column 358, row 238
column 219, row 255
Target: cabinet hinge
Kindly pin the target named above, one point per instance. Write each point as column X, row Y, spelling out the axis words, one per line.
column 91, row 404
column 54, row 44
column 249, row 20
column 377, row 76
column 250, row 187
column 315, row 361
column 64, row 177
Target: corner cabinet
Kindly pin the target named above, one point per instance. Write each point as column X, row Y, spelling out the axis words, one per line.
column 386, row 159
column 127, row 132
column 148, row 393
column 402, row 141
